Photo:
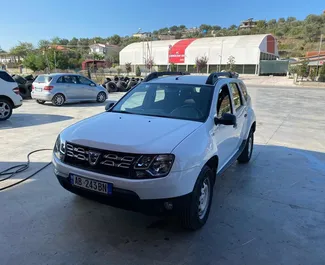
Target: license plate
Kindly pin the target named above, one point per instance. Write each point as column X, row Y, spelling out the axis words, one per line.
column 91, row 184
column 38, row 89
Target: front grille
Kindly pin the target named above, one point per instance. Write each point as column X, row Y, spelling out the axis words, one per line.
column 100, row 161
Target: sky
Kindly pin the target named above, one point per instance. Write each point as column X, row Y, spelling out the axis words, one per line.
column 30, row 21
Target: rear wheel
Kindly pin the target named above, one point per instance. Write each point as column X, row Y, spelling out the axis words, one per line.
column 40, row 101
column 101, row 97
column 248, row 150
column 58, row 100
column 5, row 109
column 197, row 212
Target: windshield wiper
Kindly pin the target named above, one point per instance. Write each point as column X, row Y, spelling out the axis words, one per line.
column 126, row 112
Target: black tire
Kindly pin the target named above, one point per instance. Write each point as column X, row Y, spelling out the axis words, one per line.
column 5, row 109
column 130, row 85
column 42, row 102
column 121, row 86
column 58, row 100
column 101, row 97
column 191, row 217
column 246, row 155
column 111, row 87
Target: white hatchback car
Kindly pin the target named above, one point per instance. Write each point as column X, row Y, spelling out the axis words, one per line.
column 9, row 95
column 160, row 148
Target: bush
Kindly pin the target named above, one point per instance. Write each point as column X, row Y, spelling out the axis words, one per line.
column 138, row 71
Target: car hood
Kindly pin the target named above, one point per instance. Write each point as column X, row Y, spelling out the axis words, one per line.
column 130, row 133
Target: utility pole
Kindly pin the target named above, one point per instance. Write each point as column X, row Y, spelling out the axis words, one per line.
column 319, row 51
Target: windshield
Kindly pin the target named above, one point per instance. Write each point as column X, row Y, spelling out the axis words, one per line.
column 43, row 79
column 177, row 101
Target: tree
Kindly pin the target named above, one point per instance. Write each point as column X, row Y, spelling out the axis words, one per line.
column 149, row 62
column 231, row 64
column 205, row 27
column 173, row 28
column 303, row 69
column 128, row 68
column 115, row 40
column 312, row 74
column 291, row 19
column 281, row 20
column 138, row 71
column 173, row 67
column 322, row 74
column 97, row 56
column 182, row 27
column 232, row 27
column 201, row 63
column 261, row 24
column 21, row 50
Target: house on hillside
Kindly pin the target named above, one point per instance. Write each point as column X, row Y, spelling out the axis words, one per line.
column 248, row 24
column 142, row 35
column 103, row 48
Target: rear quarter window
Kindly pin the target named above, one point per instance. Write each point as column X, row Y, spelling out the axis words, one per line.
column 43, row 79
column 244, row 90
column 6, row 77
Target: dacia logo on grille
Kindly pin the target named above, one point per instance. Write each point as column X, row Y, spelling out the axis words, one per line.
column 93, row 157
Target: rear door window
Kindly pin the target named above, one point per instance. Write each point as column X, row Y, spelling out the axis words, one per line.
column 6, row 77
column 43, row 79
column 68, row 79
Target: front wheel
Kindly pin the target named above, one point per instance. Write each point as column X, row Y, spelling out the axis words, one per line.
column 5, row 109
column 197, row 212
column 248, row 150
column 101, row 97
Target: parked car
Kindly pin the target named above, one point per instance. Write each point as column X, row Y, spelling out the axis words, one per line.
column 160, row 148
column 63, row 88
column 9, row 95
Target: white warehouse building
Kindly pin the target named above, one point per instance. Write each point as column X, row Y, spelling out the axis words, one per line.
column 247, row 50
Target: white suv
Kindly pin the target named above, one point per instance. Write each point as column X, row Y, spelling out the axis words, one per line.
column 9, row 95
column 160, row 148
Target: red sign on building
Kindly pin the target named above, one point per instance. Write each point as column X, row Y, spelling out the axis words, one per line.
column 177, row 52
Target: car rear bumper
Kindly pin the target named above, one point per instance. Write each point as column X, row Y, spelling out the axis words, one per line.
column 42, row 96
column 129, row 200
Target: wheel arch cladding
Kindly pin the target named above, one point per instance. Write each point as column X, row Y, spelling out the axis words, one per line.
column 213, row 164
column 254, row 126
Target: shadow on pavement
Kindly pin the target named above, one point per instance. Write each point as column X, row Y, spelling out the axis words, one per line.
column 274, row 204
column 20, row 120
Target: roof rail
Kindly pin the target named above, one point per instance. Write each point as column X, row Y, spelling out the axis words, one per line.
column 155, row 75
column 213, row 78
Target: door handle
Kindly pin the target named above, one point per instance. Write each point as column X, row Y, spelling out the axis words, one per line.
column 245, row 115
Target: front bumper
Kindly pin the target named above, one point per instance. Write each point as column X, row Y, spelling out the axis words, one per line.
column 176, row 184
column 129, row 200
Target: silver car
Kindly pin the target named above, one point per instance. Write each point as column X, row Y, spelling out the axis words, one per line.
column 62, row 88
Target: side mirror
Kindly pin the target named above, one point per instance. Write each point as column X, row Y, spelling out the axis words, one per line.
column 226, row 119
column 92, row 84
column 109, row 106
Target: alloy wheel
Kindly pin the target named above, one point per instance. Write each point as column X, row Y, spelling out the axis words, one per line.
column 4, row 110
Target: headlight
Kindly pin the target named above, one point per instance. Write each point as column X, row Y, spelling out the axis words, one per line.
column 154, row 166
column 59, row 148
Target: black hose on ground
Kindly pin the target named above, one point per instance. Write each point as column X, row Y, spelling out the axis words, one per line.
column 10, row 172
